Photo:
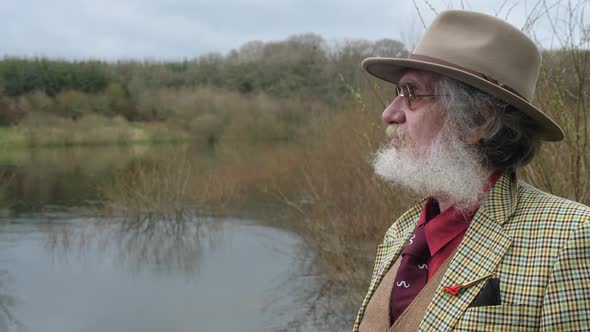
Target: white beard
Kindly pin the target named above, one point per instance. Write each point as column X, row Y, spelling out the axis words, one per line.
column 450, row 170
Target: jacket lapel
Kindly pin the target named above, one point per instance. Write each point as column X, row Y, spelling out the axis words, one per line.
column 479, row 254
column 387, row 252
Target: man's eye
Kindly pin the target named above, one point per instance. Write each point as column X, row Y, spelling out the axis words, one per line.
column 410, row 90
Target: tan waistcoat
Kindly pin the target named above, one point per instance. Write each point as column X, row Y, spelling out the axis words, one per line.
column 376, row 318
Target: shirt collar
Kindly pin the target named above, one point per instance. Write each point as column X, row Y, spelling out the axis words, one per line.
column 442, row 228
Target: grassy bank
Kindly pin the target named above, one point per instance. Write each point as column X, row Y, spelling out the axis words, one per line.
column 203, row 116
column 41, row 130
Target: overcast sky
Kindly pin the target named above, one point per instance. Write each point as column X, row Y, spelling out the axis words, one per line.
column 179, row 29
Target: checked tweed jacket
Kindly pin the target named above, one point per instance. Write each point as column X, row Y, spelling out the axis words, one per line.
column 539, row 246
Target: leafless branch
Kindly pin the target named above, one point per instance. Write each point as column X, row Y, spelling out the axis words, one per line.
column 431, row 7
column 497, row 12
column 419, row 13
column 509, row 11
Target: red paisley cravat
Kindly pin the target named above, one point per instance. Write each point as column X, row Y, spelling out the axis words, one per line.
column 412, row 274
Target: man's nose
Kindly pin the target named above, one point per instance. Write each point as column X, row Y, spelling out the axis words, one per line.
column 393, row 113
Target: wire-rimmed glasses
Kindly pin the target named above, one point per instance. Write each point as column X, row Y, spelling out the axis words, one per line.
column 406, row 91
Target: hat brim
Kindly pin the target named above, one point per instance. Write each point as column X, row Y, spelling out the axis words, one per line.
column 392, row 69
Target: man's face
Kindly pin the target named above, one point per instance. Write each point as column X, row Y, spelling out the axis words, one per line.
column 426, row 154
column 420, row 123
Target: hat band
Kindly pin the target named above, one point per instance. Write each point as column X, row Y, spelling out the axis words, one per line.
column 426, row 58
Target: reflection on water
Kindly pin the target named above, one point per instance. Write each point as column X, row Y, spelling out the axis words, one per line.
column 35, row 179
column 158, row 242
column 222, row 280
column 7, row 301
column 66, row 267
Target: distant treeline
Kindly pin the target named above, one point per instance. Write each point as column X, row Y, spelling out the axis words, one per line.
column 21, row 76
column 304, row 67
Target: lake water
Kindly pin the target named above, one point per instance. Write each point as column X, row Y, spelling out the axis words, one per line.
column 64, row 269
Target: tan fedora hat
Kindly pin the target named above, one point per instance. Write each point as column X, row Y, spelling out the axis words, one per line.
column 482, row 51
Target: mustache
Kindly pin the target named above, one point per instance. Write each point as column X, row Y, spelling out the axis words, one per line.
column 391, row 130
column 395, row 130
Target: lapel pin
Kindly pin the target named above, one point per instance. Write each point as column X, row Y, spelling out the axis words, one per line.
column 454, row 290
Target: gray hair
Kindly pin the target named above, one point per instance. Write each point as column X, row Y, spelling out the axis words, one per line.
column 510, row 140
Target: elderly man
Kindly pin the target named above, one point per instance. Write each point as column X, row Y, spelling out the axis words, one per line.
column 483, row 251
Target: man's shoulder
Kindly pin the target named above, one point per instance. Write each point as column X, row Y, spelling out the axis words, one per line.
column 548, row 211
column 545, row 203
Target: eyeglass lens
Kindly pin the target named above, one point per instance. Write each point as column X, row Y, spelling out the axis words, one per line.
column 405, row 91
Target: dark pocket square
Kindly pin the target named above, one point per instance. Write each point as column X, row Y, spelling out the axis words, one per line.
column 489, row 295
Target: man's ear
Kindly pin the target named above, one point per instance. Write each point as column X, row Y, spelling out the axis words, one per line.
column 478, row 133
column 475, row 135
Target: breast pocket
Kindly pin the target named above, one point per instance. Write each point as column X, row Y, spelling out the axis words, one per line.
column 500, row 318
